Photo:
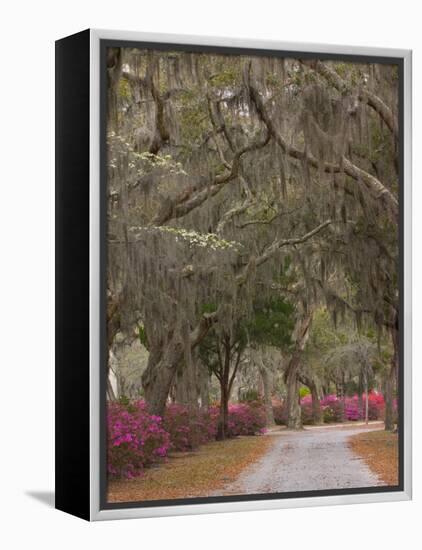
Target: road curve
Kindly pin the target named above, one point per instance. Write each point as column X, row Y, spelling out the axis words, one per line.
column 315, row 458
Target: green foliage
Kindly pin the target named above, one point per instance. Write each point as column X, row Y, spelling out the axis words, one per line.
column 340, row 354
column 250, row 395
column 193, row 118
column 272, row 80
column 303, row 391
column 124, row 401
column 225, row 78
column 208, row 308
column 325, row 335
column 341, row 69
column 124, row 89
column 143, row 337
column 272, row 323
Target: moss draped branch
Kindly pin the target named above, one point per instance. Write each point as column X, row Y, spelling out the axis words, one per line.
column 377, row 189
column 273, row 248
column 364, row 95
column 183, row 204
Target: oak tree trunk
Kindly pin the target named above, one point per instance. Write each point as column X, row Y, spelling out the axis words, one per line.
column 267, row 384
column 316, row 405
column 391, row 380
column 222, row 428
column 294, row 421
column 163, row 362
column 186, row 381
column 360, row 397
column 204, row 384
column 159, row 375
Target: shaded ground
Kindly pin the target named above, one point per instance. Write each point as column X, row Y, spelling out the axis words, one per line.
column 380, row 451
column 315, row 458
column 192, row 474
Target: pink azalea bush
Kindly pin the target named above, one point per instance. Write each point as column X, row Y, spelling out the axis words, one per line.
column 332, row 408
column 136, row 439
column 246, row 419
column 352, row 410
column 280, row 413
column 306, row 409
column 376, row 406
column 188, row 428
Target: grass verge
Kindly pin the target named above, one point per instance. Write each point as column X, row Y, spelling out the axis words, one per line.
column 192, row 474
column 379, row 449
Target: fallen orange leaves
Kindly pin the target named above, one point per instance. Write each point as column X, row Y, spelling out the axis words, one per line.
column 192, row 474
column 379, row 449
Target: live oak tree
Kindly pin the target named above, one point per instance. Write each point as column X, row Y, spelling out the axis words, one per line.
column 220, row 167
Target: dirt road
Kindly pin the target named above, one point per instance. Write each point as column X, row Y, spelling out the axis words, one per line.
column 311, row 459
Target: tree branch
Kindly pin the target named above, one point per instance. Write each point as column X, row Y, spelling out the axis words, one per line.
column 270, row 251
column 374, row 186
column 364, row 95
column 236, row 367
column 201, row 330
column 182, row 206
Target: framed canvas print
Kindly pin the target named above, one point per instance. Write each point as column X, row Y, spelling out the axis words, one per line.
column 233, row 321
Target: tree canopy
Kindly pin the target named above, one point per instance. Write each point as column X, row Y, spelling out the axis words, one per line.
column 244, row 193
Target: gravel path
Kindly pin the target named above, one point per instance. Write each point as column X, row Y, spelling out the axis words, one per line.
column 312, row 459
